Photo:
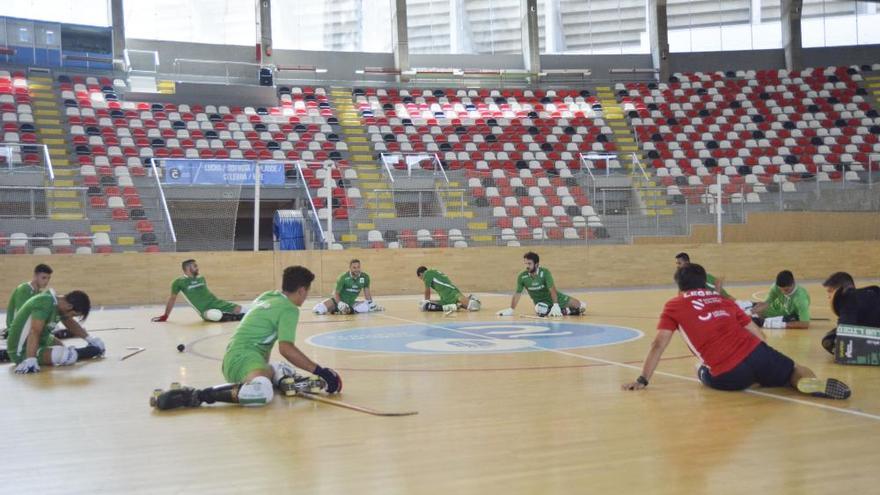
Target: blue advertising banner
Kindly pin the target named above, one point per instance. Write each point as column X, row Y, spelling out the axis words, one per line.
column 222, row 172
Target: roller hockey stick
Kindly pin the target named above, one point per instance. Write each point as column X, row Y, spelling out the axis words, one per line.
column 338, row 403
column 544, row 318
column 307, row 388
column 135, row 350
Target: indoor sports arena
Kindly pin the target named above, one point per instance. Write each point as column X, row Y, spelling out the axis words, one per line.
column 440, row 246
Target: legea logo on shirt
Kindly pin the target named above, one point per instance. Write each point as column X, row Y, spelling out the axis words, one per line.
column 475, row 337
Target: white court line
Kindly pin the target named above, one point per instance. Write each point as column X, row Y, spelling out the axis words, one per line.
column 760, row 295
column 638, row 368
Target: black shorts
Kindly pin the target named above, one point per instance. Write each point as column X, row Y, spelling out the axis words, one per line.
column 765, row 365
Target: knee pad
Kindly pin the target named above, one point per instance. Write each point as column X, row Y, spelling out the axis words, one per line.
column 63, row 356
column 343, row 308
column 213, row 315
column 281, row 371
column 542, row 309
column 362, row 307
column 474, row 304
column 257, row 392
column 320, row 309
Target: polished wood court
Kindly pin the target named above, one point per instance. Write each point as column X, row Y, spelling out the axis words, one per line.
column 506, row 423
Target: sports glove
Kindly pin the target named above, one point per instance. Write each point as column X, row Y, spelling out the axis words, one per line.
column 160, row 319
column 505, row 312
column 29, row 365
column 775, row 322
column 555, row 310
column 374, row 306
column 332, row 378
column 96, row 342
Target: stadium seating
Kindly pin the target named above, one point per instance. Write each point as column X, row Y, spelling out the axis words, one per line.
column 517, row 152
column 17, row 117
column 486, row 129
column 114, row 140
column 756, row 129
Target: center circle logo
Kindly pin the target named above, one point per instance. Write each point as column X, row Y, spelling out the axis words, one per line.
column 475, row 337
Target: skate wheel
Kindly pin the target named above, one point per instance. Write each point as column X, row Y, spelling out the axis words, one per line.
column 175, row 385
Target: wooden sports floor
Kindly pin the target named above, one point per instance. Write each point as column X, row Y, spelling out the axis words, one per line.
column 526, row 420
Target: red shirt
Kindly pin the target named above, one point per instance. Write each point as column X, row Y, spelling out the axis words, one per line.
column 712, row 327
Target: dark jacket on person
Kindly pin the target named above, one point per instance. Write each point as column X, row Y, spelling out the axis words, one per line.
column 859, row 307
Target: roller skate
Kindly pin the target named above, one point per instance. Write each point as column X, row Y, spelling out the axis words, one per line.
column 293, row 385
column 175, row 397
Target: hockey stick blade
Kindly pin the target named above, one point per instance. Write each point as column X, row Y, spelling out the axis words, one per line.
column 135, row 350
column 531, row 317
column 544, row 318
column 346, row 405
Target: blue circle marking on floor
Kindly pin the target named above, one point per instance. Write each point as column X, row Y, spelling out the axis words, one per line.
column 475, row 337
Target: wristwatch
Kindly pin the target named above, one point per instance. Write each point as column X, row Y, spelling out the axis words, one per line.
column 641, row 379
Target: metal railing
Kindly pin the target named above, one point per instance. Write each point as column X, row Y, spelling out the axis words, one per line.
column 15, row 162
column 411, row 164
column 163, row 201
column 35, row 202
column 421, row 203
column 312, row 212
column 229, row 71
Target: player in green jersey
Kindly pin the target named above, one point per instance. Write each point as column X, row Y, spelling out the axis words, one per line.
column 195, row 290
column 348, row 288
column 450, row 297
column 25, row 290
column 712, row 282
column 273, row 316
column 787, row 305
column 31, row 342
column 538, row 281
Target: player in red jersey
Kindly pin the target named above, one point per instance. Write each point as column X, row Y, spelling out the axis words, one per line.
column 730, row 346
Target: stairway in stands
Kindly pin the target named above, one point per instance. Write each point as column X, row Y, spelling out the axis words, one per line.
column 63, row 205
column 652, row 199
column 376, row 204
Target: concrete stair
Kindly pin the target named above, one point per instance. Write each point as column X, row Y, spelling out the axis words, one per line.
column 652, row 201
column 61, row 205
column 372, row 205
